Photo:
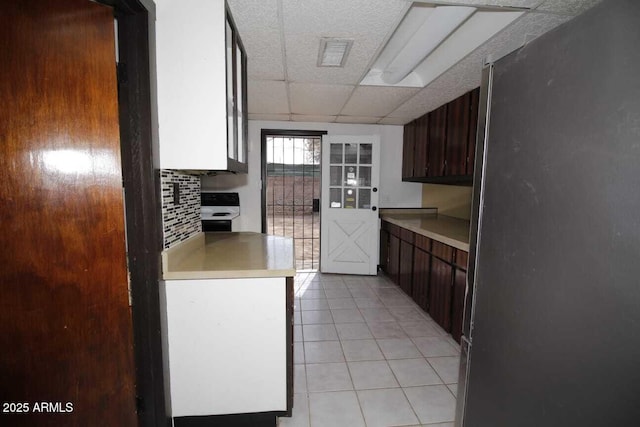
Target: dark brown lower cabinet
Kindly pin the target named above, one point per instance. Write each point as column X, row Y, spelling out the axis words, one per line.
column 405, row 274
column 459, row 290
column 432, row 273
column 405, row 265
column 393, row 266
column 440, row 292
column 384, row 247
column 421, row 271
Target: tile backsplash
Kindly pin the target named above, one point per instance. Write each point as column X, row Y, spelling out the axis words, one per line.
column 179, row 221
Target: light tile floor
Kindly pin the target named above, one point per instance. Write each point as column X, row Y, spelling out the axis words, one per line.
column 366, row 355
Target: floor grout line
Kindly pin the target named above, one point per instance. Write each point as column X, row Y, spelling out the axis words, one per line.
column 397, row 320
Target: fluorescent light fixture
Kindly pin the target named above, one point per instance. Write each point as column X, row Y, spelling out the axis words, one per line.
column 431, row 39
column 333, row 52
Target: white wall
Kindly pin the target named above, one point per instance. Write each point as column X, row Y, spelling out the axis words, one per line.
column 393, row 192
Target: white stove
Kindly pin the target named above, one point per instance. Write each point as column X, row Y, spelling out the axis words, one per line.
column 218, row 210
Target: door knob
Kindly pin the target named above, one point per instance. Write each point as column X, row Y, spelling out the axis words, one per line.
column 373, row 208
column 375, row 189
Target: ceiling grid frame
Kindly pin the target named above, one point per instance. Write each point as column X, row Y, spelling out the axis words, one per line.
column 338, row 17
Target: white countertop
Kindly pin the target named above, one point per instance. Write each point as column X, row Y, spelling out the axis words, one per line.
column 229, row 255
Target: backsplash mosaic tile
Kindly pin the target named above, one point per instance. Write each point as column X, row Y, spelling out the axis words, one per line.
column 179, row 221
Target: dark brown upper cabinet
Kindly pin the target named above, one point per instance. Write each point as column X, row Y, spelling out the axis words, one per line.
column 437, row 141
column 408, row 148
column 421, row 145
column 443, row 143
column 473, row 129
column 458, row 119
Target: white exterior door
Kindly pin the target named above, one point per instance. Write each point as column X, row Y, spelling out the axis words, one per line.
column 349, row 217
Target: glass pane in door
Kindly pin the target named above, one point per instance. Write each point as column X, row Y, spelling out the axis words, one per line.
column 335, row 155
column 364, row 176
column 239, row 148
column 335, row 197
column 335, row 176
column 364, row 198
column 231, row 141
column 365, row 154
column 350, row 178
column 351, row 153
column 349, row 198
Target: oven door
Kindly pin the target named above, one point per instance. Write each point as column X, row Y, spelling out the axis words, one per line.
column 216, row 225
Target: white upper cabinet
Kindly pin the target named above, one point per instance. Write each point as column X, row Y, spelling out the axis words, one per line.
column 202, row 94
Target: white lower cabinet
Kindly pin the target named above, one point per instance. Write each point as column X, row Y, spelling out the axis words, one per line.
column 226, row 345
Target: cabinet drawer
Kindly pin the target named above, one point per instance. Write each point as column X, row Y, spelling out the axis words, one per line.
column 394, row 230
column 461, row 259
column 407, row 235
column 442, row 251
column 423, row 242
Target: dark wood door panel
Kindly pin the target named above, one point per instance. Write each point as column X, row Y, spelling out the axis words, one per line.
column 421, row 271
column 461, row 258
column 457, row 310
column 408, row 149
column 394, row 258
column 440, row 292
column 421, row 147
column 406, row 266
column 384, row 250
column 423, row 242
column 473, row 129
column 443, row 251
column 457, row 135
column 407, row 235
column 437, row 141
column 64, row 313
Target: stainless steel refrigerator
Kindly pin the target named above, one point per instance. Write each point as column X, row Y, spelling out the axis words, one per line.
column 553, row 309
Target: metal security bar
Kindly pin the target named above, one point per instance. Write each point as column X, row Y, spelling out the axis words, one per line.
column 293, row 194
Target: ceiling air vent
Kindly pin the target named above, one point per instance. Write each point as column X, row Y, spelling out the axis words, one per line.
column 333, row 52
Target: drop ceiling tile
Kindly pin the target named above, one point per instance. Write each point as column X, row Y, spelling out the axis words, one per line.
column 252, row 13
column 270, row 117
column 259, row 26
column 466, row 74
column 267, row 97
column 376, row 101
column 318, row 99
column 395, row 120
column 510, row 3
column 302, row 58
column 339, row 16
column 367, row 22
column 264, row 55
column 357, row 119
column 570, row 7
column 312, row 118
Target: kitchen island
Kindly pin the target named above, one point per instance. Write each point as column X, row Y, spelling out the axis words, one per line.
column 228, row 306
